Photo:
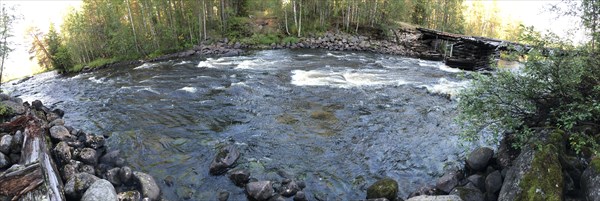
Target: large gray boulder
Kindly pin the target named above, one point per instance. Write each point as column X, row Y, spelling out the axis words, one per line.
column 468, row 194
column 536, row 174
column 5, row 144
column 479, row 158
column 78, row 184
column 60, row 133
column 147, row 185
column 590, row 180
column 100, row 190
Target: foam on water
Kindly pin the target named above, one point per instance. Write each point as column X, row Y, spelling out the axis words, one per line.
column 205, row 64
column 343, row 79
column 446, row 87
column 189, row 89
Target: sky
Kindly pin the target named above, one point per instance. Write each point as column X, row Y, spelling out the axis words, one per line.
column 41, row 13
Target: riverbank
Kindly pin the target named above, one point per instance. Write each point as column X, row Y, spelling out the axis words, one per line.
column 42, row 157
column 403, row 41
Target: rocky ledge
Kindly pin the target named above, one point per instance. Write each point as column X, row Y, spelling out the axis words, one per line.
column 545, row 170
column 85, row 168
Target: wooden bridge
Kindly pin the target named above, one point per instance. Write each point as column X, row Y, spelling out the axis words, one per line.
column 467, row 52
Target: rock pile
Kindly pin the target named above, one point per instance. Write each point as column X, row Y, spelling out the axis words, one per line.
column 257, row 190
column 88, row 169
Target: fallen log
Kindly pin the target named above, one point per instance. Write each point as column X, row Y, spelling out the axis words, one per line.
column 40, row 179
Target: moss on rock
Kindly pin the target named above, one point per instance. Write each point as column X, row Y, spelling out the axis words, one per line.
column 544, row 181
column 384, row 188
column 595, row 163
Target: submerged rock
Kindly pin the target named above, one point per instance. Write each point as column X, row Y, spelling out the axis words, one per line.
column 384, row 188
column 240, row 177
column 224, row 160
column 100, row 190
column 479, row 158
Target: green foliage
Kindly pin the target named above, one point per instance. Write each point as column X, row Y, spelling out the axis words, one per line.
column 290, row 39
column 261, row 39
column 556, row 88
column 238, row 27
column 5, row 111
column 101, row 62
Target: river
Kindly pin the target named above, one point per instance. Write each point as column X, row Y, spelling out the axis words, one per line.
column 336, row 120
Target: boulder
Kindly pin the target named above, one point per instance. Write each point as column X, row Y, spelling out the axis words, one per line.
column 88, row 156
column 60, row 133
column 478, row 181
column 37, row 104
column 536, row 174
column 57, row 122
column 110, row 158
column 479, row 158
column 15, row 107
column 224, row 160
column 125, row 174
column 590, row 180
column 147, row 185
column 94, row 141
column 17, row 142
column 4, row 161
column 493, row 182
column 112, row 176
column 260, row 190
column 435, row 198
column 468, row 194
column 78, row 184
column 300, row 196
column 384, row 188
column 289, row 189
column 62, row 152
column 447, row 182
column 5, row 144
column 223, row 196
column 100, row 190
column 425, row 190
column 240, row 177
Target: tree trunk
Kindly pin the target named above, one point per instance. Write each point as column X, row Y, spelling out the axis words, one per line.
column 300, row 19
column 137, row 48
column 204, row 18
column 223, row 19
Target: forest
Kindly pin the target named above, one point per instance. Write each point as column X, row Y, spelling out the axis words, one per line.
column 104, row 31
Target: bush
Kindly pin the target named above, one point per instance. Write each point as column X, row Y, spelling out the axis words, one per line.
column 238, row 27
column 556, row 88
column 290, row 39
column 261, row 39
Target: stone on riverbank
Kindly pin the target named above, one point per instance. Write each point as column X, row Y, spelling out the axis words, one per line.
column 384, row 188
column 5, row 144
column 468, row 194
column 535, row 175
column 447, row 182
column 78, row 184
column 479, row 158
column 147, row 185
column 60, row 133
column 100, row 190
column 590, row 180
column 240, row 177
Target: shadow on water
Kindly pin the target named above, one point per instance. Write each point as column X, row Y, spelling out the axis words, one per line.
column 337, row 120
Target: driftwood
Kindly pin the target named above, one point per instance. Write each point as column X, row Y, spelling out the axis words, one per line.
column 40, row 179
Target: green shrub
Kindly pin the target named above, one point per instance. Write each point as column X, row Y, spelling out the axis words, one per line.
column 238, row 27
column 290, row 39
column 556, row 88
column 261, row 39
column 5, row 111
